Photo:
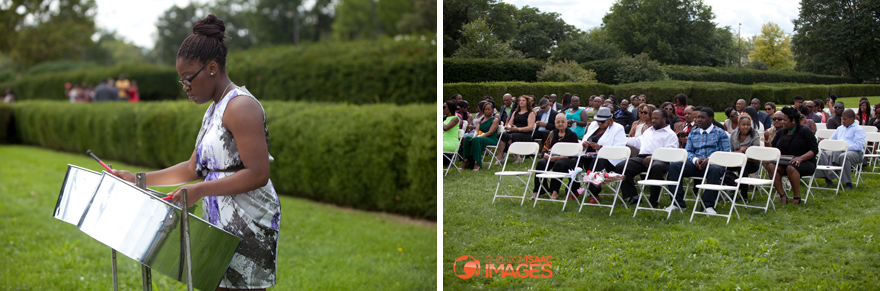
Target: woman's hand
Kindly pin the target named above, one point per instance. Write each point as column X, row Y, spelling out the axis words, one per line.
column 193, row 194
column 796, row 161
column 124, row 175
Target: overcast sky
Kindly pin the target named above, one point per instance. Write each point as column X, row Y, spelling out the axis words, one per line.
column 751, row 13
column 135, row 21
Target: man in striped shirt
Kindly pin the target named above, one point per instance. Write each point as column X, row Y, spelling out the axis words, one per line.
column 701, row 143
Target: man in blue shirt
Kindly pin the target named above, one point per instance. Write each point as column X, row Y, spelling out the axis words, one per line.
column 854, row 135
column 701, row 143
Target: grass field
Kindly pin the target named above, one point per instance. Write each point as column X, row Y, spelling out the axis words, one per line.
column 321, row 247
column 828, row 243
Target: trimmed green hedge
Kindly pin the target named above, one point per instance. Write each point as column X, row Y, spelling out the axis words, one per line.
column 474, row 92
column 376, row 157
column 500, row 70
column 154, row 82
column 750, row 76
column 6, row 130
column 488, row 70
column 362, row 72
column 713, row 94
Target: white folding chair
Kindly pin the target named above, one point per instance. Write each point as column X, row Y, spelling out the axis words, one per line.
column 824, row 133
column 821, row 126
column 761, row 154
column 520, row 148
column 869, row 128
column 727, row 160
column 491, row 149
column 455, row 153
column 609, row 153
column 564, row 149
column 827, row 146
column 872, row 139
column 669, row 155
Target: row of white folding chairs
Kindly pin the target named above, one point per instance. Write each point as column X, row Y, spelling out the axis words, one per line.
column 725, row 159
column 573, row 150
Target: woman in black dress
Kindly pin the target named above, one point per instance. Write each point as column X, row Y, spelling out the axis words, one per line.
column 518, row 128
column 799, row 143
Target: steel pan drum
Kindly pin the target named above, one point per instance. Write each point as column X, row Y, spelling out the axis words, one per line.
column 138, row 224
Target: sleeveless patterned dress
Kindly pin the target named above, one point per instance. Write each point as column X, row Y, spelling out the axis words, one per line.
column 253, row 216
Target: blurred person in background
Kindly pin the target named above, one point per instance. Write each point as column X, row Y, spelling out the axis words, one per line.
column 10, row 95
column 122, row 85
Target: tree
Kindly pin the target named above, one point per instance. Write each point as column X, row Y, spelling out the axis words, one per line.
column 172, row 28
column 639, row 68
column 670, row 31
column 478, row 42
column 566, row 71
column 39, row 31
column 773, row 48
column 839, row 37
column 368, row 18
column 457, row 13
column 538, row 32
column 591, row 46
column 422, row 19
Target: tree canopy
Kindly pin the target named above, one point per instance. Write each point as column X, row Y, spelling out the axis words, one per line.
column 840, row 37
column 670, row 31
column 773, row 48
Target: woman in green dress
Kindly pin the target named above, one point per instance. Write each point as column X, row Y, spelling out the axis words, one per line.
column 488, row 135
column 450, row 126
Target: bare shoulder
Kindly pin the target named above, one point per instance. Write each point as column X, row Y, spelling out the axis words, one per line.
column 243, row 109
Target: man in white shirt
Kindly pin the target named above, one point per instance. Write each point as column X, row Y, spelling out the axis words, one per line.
column 854, row 135
column 660, row 135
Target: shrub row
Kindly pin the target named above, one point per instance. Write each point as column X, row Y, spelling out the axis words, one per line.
column 154, row 82
column 384, row 71
column 498, row 70
column 713, row 94
column 488, row 70
column 376, row 157
column 750, row 76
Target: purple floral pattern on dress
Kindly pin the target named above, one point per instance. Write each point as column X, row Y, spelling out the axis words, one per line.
column 253, row 216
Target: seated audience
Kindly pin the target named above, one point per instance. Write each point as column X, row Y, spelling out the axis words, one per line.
column 556, row 163
column 518, row 128
column 659, row 135
column 544, row 120
column 854, row 135
column 450, row 128
column 487, row 134
column 798, row 145
column 603, row 131
column 701, row 143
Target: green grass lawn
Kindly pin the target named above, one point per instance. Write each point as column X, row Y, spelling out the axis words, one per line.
column 321, row 247
column 828, row 243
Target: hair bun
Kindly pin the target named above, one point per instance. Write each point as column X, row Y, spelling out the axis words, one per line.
column 211, row 26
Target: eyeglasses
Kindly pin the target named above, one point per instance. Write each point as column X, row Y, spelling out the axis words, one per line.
column 777, row 118
column 643, row 112
column 188, row 81
column 838, row 107
column 668, row 108
column 809, row 106
column 768, row 109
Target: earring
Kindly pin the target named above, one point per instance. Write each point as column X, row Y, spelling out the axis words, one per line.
column 212, row 74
